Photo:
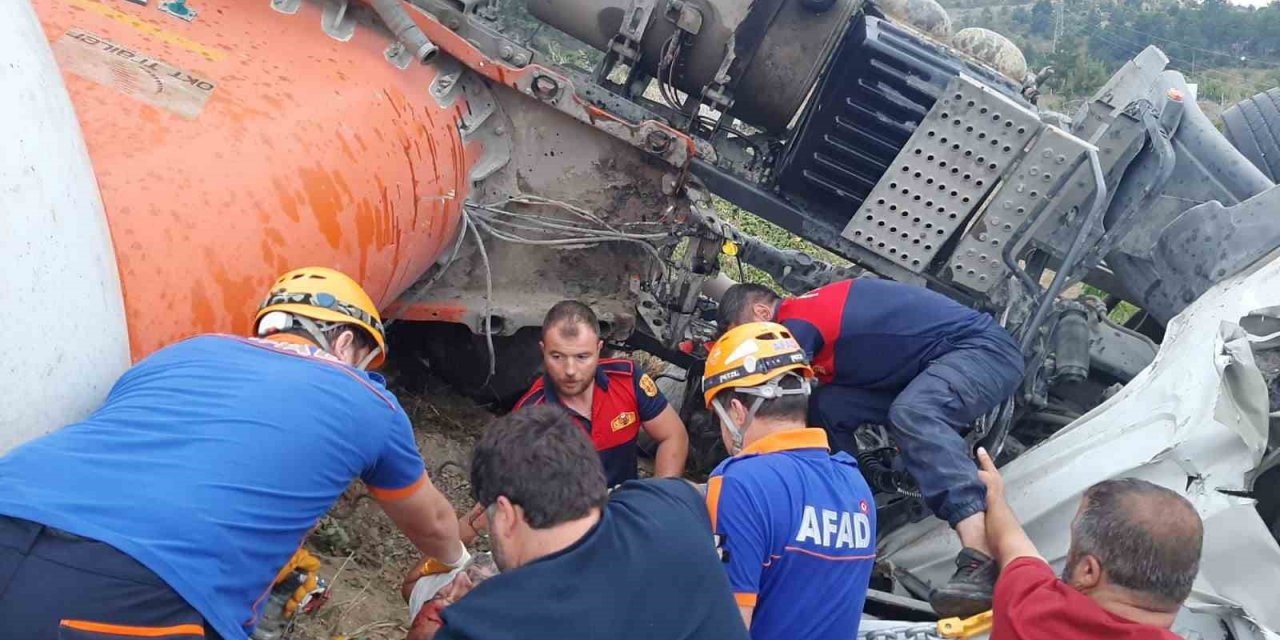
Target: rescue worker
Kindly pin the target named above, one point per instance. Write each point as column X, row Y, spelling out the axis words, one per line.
column 610, row 399
column 1133, row 558
column 925, row 366
column 795, row 524
column 577, row 560
column 168, row 512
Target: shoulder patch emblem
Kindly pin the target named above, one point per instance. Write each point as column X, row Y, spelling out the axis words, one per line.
column 624, row 420
column 648, row 386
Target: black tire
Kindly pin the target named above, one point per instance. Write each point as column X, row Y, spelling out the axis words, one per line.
column 1253, row 127
column 461, row 358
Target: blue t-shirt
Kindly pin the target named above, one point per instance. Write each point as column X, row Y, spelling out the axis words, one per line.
column 211, row 460
column 646, row 571
column 796, row 527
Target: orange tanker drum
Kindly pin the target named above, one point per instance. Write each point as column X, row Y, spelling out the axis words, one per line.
column 241, row 141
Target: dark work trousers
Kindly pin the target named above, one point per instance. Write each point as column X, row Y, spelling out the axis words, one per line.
column 926, row 420
column 58, row 586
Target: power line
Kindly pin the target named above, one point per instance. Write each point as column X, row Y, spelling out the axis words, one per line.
column 1233, row 57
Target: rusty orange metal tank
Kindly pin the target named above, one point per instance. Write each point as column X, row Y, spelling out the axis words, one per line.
column 247, row 141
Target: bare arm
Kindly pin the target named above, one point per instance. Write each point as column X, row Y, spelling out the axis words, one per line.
column 427, row 519
column 1005, row 536
column 673, row 443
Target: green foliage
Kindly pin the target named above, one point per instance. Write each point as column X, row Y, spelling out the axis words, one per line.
column 771, row 233
column 1230, row 51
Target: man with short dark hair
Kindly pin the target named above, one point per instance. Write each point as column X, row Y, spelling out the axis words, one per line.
column 1134, row 554
column 796, row 524
column 610, row 399
column 579, row 562
column 919, row 363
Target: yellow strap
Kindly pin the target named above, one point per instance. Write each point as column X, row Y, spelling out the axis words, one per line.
column 965, row 628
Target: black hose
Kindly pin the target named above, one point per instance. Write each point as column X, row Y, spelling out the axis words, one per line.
column 994, row 442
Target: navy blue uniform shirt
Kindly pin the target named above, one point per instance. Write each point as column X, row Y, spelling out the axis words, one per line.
column 875, row 336
column 623, row 399
column 647, row 571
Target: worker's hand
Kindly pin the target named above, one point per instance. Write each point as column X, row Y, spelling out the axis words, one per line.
column 434, row 567
column 472, row 523
column 425, row 608
column 990, row 477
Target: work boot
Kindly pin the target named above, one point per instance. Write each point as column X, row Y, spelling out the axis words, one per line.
column 970, row 589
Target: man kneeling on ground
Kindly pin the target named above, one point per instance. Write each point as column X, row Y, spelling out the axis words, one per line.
column 579, row 562
column 1135, row 551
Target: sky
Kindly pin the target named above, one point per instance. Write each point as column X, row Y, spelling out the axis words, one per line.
column 1250, row 3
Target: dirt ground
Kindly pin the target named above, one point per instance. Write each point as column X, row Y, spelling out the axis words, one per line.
column 364, row 557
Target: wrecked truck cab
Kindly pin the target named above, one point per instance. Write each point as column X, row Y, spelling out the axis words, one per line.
column 1198, row 421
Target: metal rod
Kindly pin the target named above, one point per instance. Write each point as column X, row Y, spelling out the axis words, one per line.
column 994, row 442
column 393, row 14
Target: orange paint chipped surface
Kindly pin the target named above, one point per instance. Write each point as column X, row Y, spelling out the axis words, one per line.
column 308, row 151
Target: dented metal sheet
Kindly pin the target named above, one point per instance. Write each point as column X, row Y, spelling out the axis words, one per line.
column 133, row 73
column 1194, row 421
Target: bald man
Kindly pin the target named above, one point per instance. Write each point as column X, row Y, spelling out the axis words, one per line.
column 1134, row 554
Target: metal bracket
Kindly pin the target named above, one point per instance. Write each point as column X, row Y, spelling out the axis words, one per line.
column 627, row 43
column 716, row 92
column 335, row 22
column 179, row 9
column 287, row 7
column 398, row 56
column 686, row 17
column 625, row 46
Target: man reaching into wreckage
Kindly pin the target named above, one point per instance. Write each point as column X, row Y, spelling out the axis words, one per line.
column 927, row 367
column 1134, row 554
column 169, row 511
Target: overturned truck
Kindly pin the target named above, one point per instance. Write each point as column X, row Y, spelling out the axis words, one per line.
column 170, row 158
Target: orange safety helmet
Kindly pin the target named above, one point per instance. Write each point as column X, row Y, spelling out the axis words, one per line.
column 750, row 355
column 324, row 295
column 753, row 358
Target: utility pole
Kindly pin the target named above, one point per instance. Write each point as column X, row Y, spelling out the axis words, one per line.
column 1058, row 21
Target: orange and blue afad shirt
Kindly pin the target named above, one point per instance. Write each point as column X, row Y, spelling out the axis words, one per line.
column 623, row 399
column 211, row 460
column 796, row 529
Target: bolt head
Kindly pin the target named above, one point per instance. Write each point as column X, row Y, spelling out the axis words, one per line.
column 506, row 52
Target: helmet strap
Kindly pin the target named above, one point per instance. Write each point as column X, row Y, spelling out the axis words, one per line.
column 364, row 364
column 314, row 330
column 768, row 391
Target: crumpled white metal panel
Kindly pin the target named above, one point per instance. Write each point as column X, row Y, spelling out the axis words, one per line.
column 1194, row 421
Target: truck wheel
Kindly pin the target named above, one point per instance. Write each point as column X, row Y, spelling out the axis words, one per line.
column 1253, row 127
column 461, row 358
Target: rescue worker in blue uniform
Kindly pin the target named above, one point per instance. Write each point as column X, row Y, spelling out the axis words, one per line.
column 610, row 399
column 795, row 525
column 168, row 512
column 923, row 365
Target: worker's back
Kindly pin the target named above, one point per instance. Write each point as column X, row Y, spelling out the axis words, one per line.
column 797, row 527
column 211, row 460
column 879, row 335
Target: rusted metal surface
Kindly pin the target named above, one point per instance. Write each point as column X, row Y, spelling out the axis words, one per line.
column 791, row 43
column 556, row 90
column 307, row 151
column 553, row 157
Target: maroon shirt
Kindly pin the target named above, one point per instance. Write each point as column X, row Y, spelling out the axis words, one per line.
column 1031, row 603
